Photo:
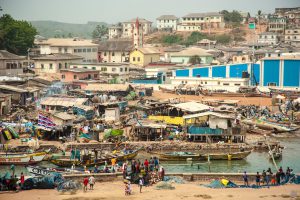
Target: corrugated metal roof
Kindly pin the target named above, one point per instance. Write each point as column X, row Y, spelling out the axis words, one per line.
column 191, row 106
column 61, row 101
column 207, row 114
column 191, row 52
column 107, row 87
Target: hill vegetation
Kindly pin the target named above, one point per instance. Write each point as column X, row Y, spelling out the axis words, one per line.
column 60, row 29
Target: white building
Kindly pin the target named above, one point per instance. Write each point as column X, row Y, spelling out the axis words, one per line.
column 292, row 36
column 269, row 38
column 167, row 22
column 201, row 21
column 53, row 63
column 75, row 46
column 120, row 71
column 128, row 27
column 114, row 32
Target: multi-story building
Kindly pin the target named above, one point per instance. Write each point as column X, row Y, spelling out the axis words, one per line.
column 114, row 32
column 10, row 64
column 71, row 75
column 184, row 56
column 167, row 23
column 53, row 63
column 281, row 11
column 129, row 26
column 118, row 71
column 269, row 38
column 277, row 24
column 201, row 21
column 75, row 46
column 292, row 36
column 117, row 51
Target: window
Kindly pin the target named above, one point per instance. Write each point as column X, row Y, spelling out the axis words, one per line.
column 59, row 65
column 113, row 69
column 271, row 84
column 94, row 68
column 83, row 50
column 7, row 65
column 75, row 50
column 66, row 50
column 125, row 69
column 121, row 69
column 133, row 58
column 138, row 59
column 95, row 75
column 85, row 67
column 225, row 83
column 66, row 65
column 113, row 54
column 63, row 76
column 79, row 50
column 237, row 84
column 50, row 66
column 89, row 50
column 104, row 53
column 75, row 76
column 59, row 50
column 94, row 49
column 42, row 66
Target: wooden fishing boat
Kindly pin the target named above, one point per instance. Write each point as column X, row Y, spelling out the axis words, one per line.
column 128, row 155
column 22, row 159
column 270, row 125
column 179, row 156
column 276, row 154
column 226, row 156
column 43, row 171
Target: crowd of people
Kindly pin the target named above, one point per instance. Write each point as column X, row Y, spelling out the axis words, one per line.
column 267, row 177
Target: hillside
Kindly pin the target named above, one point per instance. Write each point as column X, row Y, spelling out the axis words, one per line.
column 60, row 29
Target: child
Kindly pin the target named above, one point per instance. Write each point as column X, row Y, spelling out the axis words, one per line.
column 92, row 182
column 141, row 183
column 85, row 183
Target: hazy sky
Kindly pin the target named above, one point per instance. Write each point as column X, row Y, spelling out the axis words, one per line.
column 112, row 11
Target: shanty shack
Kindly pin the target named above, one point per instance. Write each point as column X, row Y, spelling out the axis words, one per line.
column 110, row 89
column 62, row 103
column 213, row 127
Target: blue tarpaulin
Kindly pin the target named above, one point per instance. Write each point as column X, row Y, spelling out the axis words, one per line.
column 195, row 130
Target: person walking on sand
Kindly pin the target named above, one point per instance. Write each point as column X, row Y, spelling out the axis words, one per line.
column 22, row 180
column 245, row 177
column 141, row 183
column 92, row 182
column 85, row 183
column 257, row 179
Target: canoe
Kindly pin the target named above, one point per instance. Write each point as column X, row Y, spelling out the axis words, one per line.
column 276, row 155
column 22, row 159
column 7, row 135
column 14, row 134
column 226, row 156
column 128, row 156
column 43, row 171
column 179, row 156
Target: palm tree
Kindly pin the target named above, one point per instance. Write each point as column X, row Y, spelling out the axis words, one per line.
column 195, row 60
column 259, row 15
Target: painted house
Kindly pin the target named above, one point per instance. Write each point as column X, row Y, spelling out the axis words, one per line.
column 183, row 56
column 280, row 72
column 53, row 63
column 76, row 74
column 114, row 51
column 143, row 56
column 269, row 38
column 167, row 23
column 277, row 24
column 119, row 72
column 114, row 32
column 201, row 21
column 129, row 26
column 10, row 64
column 292, row 37
column 76, row 46
column 5, row 103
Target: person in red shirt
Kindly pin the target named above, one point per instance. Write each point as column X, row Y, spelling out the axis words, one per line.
column 146, row 164
column 22, row 180
column 85, row 184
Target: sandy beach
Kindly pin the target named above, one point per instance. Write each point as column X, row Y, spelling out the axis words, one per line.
column 115, row 190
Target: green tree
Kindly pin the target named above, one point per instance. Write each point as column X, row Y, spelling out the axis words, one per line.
column 233, row 16
column 195, row 60
column 99, row 31
column 194, row 38
column 16, row 36
column 171, row 39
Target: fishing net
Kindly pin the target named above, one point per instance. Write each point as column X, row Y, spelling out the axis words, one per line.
column 174, row 179
column 46, row 182
column 69, row 186
column 164, row 186
column 221, row 184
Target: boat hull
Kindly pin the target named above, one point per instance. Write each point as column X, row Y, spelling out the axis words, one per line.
column 178, row 157
column 22, row 159
column 226, row 156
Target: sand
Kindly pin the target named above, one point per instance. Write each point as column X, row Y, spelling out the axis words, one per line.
column 115, row 190
column 259, row 101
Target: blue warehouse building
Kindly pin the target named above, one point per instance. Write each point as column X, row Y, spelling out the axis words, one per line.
column 280, row 72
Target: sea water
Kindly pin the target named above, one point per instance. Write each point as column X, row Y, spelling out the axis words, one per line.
column 255, row 162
